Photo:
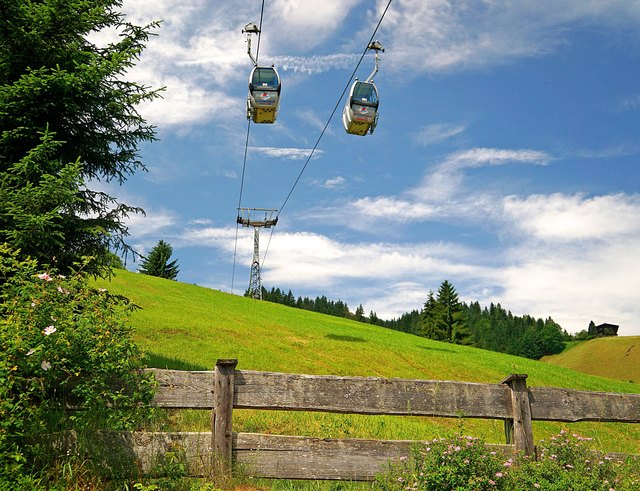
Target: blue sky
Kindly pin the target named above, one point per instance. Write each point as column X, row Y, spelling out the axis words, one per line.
column 506, row 158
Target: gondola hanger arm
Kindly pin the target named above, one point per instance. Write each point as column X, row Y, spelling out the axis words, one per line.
column 250, row 29
column 375, row 46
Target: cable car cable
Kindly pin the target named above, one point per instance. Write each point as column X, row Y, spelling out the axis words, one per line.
column 244, row 165
column 338, row 104
column 244, row 161
column 259, row 32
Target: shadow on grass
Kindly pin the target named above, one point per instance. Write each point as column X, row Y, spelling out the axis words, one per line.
column 158, row 361
column 351, row 339
column 430, row 348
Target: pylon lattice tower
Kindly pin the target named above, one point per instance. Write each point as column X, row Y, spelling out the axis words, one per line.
column 257, row 218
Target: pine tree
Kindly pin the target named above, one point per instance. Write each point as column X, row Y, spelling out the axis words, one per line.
column 442, row 317
column 430, row 324
column 68, row 117
column 157, row 262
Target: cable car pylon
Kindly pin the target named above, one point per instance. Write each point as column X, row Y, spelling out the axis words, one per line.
column 257, row 218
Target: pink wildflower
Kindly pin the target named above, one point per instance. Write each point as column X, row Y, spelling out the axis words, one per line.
column 49, row 330
column 45, row 277
column 499, row 474
column 45, row 365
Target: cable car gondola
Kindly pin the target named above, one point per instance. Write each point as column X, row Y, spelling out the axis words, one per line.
column 360, row 114
column 263, row 100
column 264, row 94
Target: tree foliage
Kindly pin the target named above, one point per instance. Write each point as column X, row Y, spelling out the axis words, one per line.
column 67, row 119
column 445, row 318
column 442, row 317
column 157, row 262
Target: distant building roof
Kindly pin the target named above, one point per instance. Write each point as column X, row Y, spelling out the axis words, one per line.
column 607, row 329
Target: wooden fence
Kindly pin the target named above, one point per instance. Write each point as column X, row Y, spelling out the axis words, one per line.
column 299, row 457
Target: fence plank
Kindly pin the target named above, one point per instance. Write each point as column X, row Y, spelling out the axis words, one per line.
column 556, row 404
column 181, row 389
column 371, row 395
column 295, row 457
column 143, row 452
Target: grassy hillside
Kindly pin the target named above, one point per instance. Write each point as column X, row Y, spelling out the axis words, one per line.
column 186, row 326
column 613, row 357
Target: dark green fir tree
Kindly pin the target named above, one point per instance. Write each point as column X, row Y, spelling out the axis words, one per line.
column 157, row 262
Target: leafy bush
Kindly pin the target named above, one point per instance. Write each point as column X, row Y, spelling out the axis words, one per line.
column 564, row 463
column 67, row 362
column 459, row 463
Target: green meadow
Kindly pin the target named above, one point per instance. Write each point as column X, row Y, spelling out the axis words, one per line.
column 184, row 326
column 615, row 357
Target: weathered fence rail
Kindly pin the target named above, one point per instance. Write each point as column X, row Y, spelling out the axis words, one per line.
column 300, row 457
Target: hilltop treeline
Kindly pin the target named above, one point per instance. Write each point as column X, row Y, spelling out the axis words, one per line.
column 444, row 318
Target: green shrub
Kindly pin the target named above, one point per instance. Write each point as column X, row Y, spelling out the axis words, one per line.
column 67, row 362
column 565, row 463
column 461, row 463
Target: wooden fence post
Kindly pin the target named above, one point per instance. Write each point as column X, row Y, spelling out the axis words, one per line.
column 222, row 416
column 520, row 427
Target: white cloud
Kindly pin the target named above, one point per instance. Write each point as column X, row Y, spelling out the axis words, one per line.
column 392, row 301
column 444, row 181
column 287, row 153
column 222, row 238
column 480, row 157
column 335, row 182
column 439, row 196
column 308, row 23
column 151, row 224
column 200, row 221
column 575, row 284
column 562, row 218
column 383, row 207
column 575, row 259
column 631, row 103
column 311, row 117
column 308, row 258
column 313, row 65
column 439, row 35
column 437, row 133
